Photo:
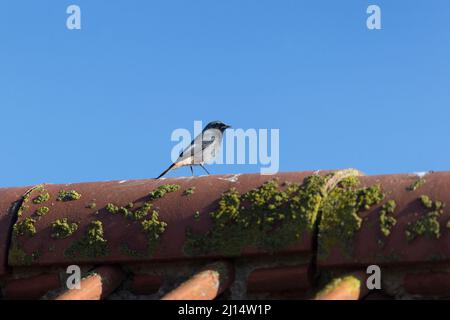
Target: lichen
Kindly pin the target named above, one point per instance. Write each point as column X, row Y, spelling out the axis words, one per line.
column 127, row 212
column 43, row 197
column 68, row 195
column 417, row 184
column 189, row 191
column 62, row 228
column 426, row 201
column 427, row 225
column 25, row 227
column 153, row 229
column 340, row 219
column 91, row 205
column 387, row 221
column 130, row 205
column 112, row 208
column 18, row 257
column 16, row 254
column 266, row 217
column 92, row 245
column 126, row 250
column 162, row 190
column 42, row 211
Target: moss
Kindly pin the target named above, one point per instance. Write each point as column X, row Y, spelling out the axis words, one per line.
column 197, row 215
column 427, row 225
column 91, row 205
column 189, row 191
column 130, row 205
column 18, row 257
column 367, row 197
column 266, row 217
column 126, row 250
column 426, row 202
column 43, row 197
column 127, row 212
column 142, row 212
column 387, row 221
column 162, row 190
column 153, row 229
column 42, row 211
column 62, row 228
column 340, row 214
column 26, row 198
column 416, row 184
column 112, row 208
column 92, row 245
column 448, row 224
column 68, row 195
column 25, row 227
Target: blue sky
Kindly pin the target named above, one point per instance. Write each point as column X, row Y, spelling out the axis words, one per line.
column 100, row 103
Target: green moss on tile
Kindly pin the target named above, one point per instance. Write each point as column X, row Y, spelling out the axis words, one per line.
column 428, row 225
column 142, row 212
column 197, row 216
column 92, row 245
column 43, row 197
column 340, row 214
column 367, row 197
column 161, row 191
column 448, row 224
column 25, row 228
column 417, row 184
column 68, row 195
column 91, row 205
column 26, row 198
column 387, row 220
column 153, row 229
column 266, row 217
column 125, row 249
column 189, row 191
column 42, row 211
column 112, row 208
column 18, row 257
column 130, row 205
column 136, row 214
column 426, row 201
column 62, row 228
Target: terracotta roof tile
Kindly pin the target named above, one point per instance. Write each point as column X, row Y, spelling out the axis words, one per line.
column 277, row 238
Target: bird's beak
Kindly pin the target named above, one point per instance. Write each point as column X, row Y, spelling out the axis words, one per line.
column 227, row 126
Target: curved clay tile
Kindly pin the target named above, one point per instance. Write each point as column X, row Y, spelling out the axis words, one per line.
column 123, row 232
column 289, row 227
column 10, row 199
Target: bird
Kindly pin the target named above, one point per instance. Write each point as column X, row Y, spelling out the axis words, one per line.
column 203, row 148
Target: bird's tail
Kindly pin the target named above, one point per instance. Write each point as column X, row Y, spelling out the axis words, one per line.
column 167, row 170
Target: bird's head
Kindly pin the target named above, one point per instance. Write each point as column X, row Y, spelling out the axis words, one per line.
column 218, row 125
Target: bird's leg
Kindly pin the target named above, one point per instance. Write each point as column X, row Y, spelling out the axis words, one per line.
column 192, row 170
column 205, row 169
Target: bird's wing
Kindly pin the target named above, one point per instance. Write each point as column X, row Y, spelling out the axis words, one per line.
column 197, row 146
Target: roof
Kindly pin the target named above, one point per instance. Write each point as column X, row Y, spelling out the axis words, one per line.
column 296, row 235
